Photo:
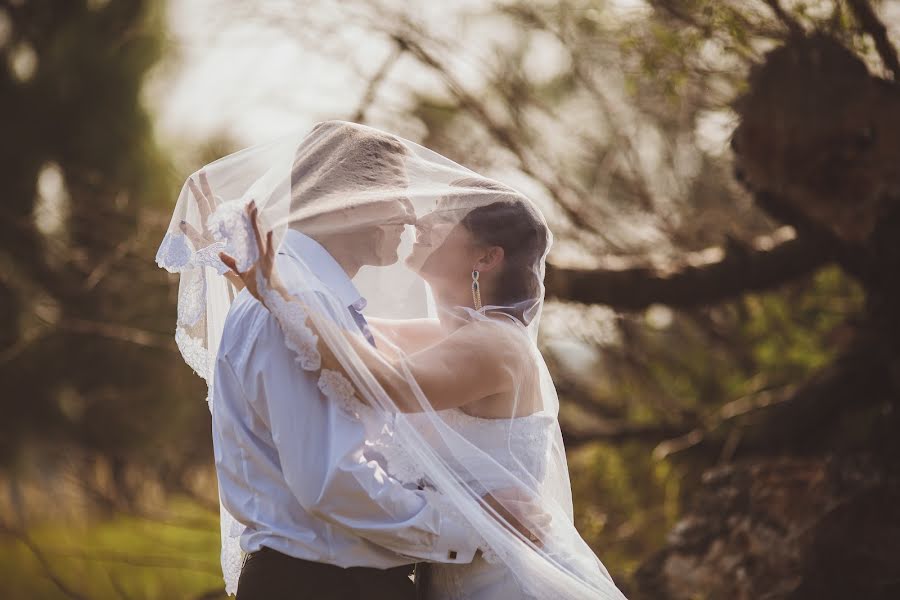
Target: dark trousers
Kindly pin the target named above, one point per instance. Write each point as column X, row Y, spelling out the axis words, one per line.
column 271, row 575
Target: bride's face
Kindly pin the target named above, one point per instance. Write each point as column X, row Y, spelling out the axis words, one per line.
column 444, row 251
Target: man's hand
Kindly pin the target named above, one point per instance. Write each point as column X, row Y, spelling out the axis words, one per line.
column 520, row 510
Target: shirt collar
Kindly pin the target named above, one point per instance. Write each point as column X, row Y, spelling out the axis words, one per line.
column 325, row 267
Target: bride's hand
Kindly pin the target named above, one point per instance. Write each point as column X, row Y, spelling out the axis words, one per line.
column 206, row 205
column 520, row 510
column 264, row 268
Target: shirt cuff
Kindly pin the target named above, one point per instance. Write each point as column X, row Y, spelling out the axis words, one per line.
column 457, row 542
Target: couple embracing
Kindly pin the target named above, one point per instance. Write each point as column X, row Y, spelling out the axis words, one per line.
column 365, row 313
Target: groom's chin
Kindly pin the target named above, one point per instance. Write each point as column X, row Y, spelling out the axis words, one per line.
column 387, row 259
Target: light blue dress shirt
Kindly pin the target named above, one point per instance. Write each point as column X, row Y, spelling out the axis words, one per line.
column 291, row 465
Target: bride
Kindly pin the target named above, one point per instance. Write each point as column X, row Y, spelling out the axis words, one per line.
column 467, row 385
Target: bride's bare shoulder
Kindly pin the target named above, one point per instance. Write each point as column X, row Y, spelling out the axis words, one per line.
column 501, row 334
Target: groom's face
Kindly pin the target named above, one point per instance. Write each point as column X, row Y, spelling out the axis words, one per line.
column 378, row 241
column 348, row 185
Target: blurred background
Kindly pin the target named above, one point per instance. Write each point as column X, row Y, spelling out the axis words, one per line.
column 722, row 180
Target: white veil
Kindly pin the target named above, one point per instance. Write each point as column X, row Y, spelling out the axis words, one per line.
column 449, row 371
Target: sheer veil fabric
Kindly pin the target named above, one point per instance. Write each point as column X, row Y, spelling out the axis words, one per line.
column 449, row 378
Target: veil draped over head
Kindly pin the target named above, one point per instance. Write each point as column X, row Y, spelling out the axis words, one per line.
column 439, row 362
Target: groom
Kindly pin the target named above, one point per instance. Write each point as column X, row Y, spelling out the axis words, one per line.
column 322, row 520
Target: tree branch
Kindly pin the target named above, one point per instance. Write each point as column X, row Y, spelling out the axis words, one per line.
column 694, row 282
column 671, row 438
column 620, row 432
column 872, row 25
column 757, row 400
column 562, row 193
column 793, row 26
column 808, row 419
column 375, row 82
column 620, row 140
column 795, row 418
column 122, row 333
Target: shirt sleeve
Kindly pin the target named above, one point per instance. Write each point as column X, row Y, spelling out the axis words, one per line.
column 320, row 448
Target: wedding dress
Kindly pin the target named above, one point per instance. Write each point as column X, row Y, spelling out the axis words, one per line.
column 521, row 445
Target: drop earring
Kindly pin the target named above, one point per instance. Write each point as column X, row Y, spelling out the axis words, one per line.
column 476, row 290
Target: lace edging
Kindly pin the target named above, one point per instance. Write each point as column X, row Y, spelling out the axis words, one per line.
column 176, row 255
column 193, row 352
column 174, row 252
column 297, row 336
column 339, row 390
column 191, row 298
column 231, row 227
column 231, row 556
column 209, row 257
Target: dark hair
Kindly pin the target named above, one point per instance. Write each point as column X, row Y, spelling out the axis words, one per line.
column 508, row 220
column 345, row 156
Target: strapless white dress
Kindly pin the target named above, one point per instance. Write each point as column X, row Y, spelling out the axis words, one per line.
column 520, row 445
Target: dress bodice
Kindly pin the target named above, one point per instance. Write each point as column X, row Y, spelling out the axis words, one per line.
column 520, row 445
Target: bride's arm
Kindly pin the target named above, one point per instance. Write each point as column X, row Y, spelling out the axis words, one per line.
column 480, row 359
column 410, row 335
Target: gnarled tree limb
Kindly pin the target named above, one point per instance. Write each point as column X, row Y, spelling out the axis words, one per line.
column 740, row 270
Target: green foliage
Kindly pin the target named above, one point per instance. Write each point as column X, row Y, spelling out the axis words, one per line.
column 625, row 503
column 709, row 357
column 793, row 333
column 172, row 555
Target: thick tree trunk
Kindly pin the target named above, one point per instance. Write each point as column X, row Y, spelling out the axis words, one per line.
column 817, row 146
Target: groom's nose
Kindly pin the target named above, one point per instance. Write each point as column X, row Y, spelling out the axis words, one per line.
column 409, row 213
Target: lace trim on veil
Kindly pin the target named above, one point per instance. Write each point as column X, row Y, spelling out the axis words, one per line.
column 176, row 254
column 194, row 353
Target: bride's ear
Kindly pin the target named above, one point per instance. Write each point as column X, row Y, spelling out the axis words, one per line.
column 490, row 260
